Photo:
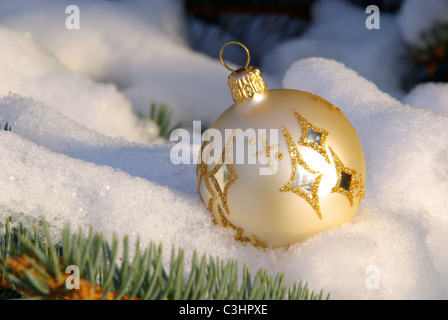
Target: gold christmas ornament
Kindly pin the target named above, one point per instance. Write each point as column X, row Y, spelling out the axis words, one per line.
column 286, row 165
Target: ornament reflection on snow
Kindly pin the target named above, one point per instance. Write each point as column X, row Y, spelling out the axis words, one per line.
column 303, row 170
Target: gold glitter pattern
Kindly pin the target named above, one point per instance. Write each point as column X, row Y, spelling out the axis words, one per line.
column 267, row 151
column 319, row 99
column 361, row 192
column 354, row 184
column 309, row 129
column 297, row 160
column 279, row 156
column 246, row 83
column 239, row 231
column 223, row 175
column 203, row 181
column 221, row 183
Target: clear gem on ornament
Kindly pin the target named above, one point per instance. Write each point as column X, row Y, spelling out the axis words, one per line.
column 223, row 176
column 304, row 180
column 314, row 136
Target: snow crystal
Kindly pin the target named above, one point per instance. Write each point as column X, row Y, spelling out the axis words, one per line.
column 433, row 96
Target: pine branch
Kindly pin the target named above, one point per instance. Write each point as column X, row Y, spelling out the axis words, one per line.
column 36, row 268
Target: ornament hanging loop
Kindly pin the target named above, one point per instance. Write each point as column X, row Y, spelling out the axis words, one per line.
column 241, row 45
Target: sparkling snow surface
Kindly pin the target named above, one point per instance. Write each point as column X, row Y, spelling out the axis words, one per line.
column 76, row 154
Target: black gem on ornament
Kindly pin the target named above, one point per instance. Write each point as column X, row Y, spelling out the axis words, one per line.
column 345, row 181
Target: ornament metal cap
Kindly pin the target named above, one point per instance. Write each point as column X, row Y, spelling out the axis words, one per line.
column 245, row 83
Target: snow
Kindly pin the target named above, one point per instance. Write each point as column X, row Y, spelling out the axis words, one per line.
column 433, row 96
column 77, row 154
column 401, row 227
column 136, row 45
column 28, row 70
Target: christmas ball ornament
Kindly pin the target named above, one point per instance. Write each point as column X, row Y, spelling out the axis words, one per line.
column 279, row 166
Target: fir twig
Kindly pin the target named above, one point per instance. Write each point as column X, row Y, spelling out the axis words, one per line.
column 36, row 268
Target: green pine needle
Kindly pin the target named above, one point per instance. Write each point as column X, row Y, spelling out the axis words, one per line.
column 143, row 276
column 7, row 127
column 162, row 116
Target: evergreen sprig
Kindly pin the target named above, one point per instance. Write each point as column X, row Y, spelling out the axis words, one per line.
column 7, row 127
column 31, row 266
column 162, row 117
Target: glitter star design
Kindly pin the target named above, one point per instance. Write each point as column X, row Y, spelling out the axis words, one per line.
column 303, row 181
column 346, row 183
column 223, row 175
column 312, row 136
column 267, row 151
column 206, row 193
